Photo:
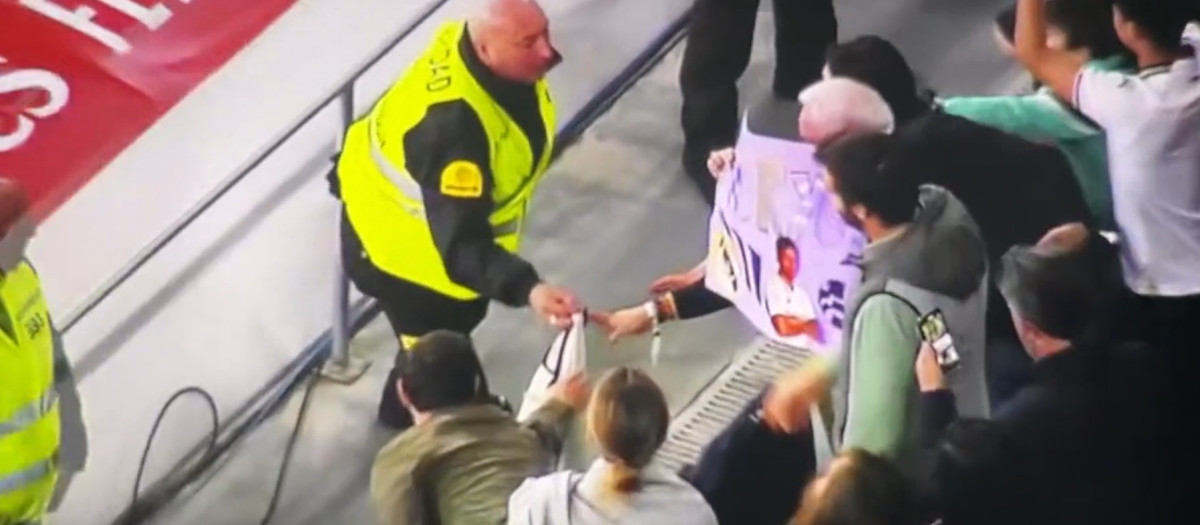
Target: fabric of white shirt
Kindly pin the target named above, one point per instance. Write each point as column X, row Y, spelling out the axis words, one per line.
column 1152, row 121
column 785, row 299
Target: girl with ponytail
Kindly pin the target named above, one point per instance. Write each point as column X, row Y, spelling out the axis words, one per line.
column 627, row 420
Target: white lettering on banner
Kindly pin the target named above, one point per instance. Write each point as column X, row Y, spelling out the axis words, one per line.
column 57, row 89
column 82, row 18
column 152, row 17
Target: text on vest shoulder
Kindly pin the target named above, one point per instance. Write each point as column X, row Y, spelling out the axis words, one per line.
column 462, row 179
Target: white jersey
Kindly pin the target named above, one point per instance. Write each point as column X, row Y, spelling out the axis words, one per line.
column 785, row 299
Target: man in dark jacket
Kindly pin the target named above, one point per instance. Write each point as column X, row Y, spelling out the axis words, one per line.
column 1015, row 189
column 1084, row 442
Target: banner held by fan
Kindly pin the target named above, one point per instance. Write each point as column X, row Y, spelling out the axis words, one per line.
column 778, row 248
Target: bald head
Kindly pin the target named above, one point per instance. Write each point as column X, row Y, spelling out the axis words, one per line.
column 840, row 107
column 512, row 38
column 1065, row 238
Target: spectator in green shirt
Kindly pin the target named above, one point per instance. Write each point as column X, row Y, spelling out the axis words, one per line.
column 1082, row 27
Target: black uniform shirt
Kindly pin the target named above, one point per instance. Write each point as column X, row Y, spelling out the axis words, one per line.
column 451, row 132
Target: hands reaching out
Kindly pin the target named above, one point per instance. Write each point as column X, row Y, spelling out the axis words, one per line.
column 720, row 161
column 676, row 281
column 554, row 304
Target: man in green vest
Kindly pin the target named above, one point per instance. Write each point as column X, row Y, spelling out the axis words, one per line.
column 42, row 440
column 436, row 181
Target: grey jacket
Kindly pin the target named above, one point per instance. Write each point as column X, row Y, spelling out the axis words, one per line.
column 937, row 262
column 574, row 498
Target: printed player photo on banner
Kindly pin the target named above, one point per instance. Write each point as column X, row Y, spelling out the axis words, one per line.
column 778, row 249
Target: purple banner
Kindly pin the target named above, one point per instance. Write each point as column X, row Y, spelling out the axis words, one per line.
column 778, row 247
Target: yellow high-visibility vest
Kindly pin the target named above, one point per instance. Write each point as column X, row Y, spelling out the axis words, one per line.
column 29, row 422
column 384, row 202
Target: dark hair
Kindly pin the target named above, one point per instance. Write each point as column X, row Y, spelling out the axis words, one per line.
column 1087, row 24
column 442, row 370
column 628, row 416
column 1162, row 21
column 862, row 173
column 1063, row 290
column 784, row 243
column 860, row 489
column 874, row 61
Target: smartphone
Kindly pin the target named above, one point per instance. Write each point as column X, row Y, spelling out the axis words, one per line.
column 933, row 331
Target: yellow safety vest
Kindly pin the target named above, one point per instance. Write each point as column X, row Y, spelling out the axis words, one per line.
column 384, row 202
column 29, row 422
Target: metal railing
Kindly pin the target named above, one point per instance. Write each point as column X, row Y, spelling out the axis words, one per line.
column 339, row 366
column 343, row 93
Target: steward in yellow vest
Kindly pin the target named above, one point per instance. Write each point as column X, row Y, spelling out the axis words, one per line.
column 39, row 406
column 437, row 178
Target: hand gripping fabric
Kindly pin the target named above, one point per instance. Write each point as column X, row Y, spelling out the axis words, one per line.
column 565, row 356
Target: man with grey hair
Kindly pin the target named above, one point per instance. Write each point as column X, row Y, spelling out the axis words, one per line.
column 435, row 185
column 1090, row 439
column 827, row 110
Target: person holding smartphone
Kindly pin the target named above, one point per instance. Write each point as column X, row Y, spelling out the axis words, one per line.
column 1082, row 442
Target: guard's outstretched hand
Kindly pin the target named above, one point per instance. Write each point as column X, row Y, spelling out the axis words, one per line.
column 554, row 304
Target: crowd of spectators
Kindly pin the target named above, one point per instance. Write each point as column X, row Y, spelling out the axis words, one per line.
column 1058, row 231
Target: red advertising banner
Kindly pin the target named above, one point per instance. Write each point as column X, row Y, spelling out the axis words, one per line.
column 81, row 79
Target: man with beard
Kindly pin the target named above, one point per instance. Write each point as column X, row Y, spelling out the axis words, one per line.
column 925, row 257
column 832, row 108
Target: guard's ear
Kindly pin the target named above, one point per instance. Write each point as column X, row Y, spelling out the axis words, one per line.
column 400, row 390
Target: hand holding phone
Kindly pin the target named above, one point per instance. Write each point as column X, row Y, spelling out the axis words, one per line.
column 934, row 332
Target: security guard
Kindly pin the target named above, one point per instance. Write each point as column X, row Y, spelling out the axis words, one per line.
column 436, row 181
column 42, row 443
column 720, row 38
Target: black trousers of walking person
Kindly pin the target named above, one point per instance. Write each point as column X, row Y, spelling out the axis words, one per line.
column 720, row 37
column 411, row 310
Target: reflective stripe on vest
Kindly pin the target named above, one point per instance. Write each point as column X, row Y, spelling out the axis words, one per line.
column 29, row 414
column 385, row 204
column 26, row 476
column 29, row 419
column 411, row 190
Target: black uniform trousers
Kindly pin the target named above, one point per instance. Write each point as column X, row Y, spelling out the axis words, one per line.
column 412, row 311
column 720, row 37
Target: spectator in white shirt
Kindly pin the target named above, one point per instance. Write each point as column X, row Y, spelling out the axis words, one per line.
column 1152, row 121
column 791, row 310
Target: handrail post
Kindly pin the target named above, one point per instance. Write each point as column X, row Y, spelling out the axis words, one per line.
column 342, row 367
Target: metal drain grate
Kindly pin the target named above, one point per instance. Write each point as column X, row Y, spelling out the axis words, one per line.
column 716, row 406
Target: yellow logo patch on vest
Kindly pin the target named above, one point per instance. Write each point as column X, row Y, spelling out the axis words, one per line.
column 462, row 179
